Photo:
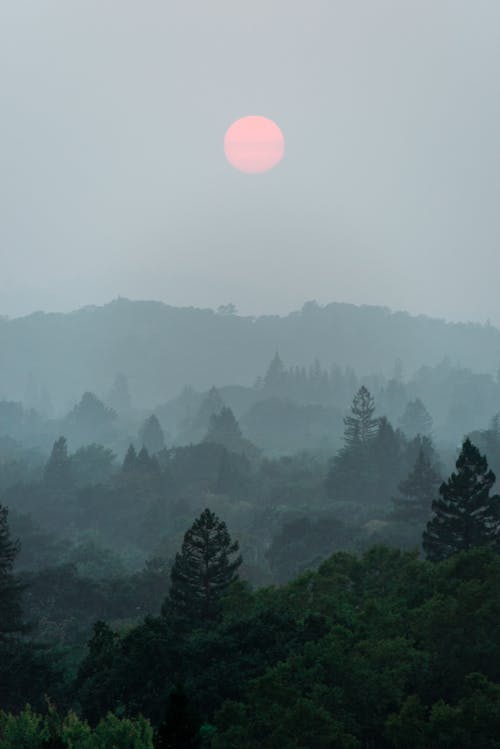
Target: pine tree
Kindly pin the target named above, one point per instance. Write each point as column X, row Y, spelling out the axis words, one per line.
column 119, row 396
column 224, row 429
column 129, row 464
column 181, row 727
column 418, row 491
column 57, row 473
column 276, row 375
column 10, row 588
column 360, row 426
column 416, row 419
column 465, row 515
column 151, row 435
column 203, row 569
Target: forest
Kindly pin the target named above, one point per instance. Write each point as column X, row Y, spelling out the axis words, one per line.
column 308, row 561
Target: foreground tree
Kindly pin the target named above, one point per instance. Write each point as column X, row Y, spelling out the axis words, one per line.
column 203, row 569
column 465, row 515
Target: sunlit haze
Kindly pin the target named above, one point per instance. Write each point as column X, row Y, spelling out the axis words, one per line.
column 114, row 181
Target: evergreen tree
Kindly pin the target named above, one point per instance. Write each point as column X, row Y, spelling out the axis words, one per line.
column 416, row 419
column 151, row 435
column 119, row 396
column 10, row 588
column 224, row 429
column 352, row 475
column 129, row 464
column 418, row 491
column 57, row 473
column 211, row 404
column 180, row 728
column 276, row 376
column 465, row 515
column 203, row 569
column 360, row 426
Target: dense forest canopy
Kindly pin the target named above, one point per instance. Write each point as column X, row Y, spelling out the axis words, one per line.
column 305, row 557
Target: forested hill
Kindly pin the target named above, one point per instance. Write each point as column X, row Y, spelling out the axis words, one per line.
column 161, row 348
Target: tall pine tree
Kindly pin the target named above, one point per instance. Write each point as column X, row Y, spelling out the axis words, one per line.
column 203, row 570
column 465, row 515
column 360, row 426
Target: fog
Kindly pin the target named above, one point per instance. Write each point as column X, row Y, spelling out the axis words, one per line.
column 113, row 179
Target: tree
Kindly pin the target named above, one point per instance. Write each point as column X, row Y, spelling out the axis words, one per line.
column 418, row 490
column 203, row 569
column 119, row 396
column 352, row 474
column 57, row 473
column 275, row 377
column 129, row 464
column 10, row 588
column 360, row 426
column 416, row 419
column 224, row 429
column 180, row 728
column 465, row 515
column 151, row 435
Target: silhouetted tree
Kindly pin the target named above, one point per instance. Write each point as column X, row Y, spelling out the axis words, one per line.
column 224, row 429
column 57, row 473
column 465, row 515
column 203, row 569
column 130, row 461
column 151, row 435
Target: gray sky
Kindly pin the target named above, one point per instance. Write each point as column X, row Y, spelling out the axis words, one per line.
column 113, row 179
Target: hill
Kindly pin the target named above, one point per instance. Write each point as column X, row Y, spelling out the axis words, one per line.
column 162, row 348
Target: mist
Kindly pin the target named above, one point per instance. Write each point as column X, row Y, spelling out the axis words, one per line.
column 114, row 181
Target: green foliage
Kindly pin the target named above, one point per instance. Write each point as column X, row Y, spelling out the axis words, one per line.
column 203, row 570
column 465, row 515
column 29, row 730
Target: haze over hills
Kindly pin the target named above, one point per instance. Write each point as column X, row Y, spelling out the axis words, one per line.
column 161, row 348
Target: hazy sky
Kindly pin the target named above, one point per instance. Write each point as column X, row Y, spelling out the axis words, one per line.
column 113, row 179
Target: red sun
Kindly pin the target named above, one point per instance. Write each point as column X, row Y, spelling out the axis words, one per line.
column 254, row 144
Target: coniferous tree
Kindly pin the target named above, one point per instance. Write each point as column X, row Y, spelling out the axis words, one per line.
column 151, row 435
column 203, row 569
column 351, row 475
column 418, row 491
column 129, row 464
column 276, row 375
column 360, row 426
column 416, row 419
column 465, row 515
column 180, row 728
column 224, row 429
column 57, row 473
column 119, row 396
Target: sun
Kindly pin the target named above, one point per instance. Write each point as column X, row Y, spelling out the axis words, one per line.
column 254, row 144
